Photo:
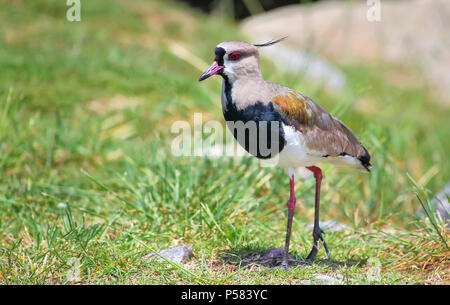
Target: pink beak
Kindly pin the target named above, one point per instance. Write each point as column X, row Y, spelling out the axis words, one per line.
column 211, row 71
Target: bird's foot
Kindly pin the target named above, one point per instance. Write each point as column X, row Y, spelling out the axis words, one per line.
column 318, row 235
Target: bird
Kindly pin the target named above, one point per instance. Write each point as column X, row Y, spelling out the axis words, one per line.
column 295, row 130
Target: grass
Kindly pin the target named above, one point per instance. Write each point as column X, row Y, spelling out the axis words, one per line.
column 89, row 184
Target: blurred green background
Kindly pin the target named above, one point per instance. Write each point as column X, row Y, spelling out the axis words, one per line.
column 87, row 172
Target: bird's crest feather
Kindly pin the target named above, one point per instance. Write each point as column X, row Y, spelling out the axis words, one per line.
column 269, row 43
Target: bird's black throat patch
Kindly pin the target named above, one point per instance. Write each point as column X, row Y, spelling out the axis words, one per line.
column 258, row 127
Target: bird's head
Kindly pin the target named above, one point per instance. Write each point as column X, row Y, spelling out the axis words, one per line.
column 236, row 59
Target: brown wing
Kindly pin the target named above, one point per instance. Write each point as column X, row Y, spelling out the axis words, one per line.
column 322, row 132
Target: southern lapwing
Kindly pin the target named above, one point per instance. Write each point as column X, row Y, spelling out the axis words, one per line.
column 297, row 131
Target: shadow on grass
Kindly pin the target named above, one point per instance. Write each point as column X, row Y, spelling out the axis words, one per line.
column 272, row 258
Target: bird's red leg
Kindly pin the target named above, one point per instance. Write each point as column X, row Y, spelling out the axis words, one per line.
column 291, row 208
column 317, row 231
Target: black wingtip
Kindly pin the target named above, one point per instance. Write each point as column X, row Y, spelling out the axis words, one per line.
column 365, row 160
column 367, row 166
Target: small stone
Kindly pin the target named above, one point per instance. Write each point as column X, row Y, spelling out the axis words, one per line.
column 274, row 253
column 177, row 255
column 440, row 204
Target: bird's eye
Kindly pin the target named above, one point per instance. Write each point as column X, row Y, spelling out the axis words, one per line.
column 235, row 56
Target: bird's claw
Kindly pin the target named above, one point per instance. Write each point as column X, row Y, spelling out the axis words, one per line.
column 317, row 234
